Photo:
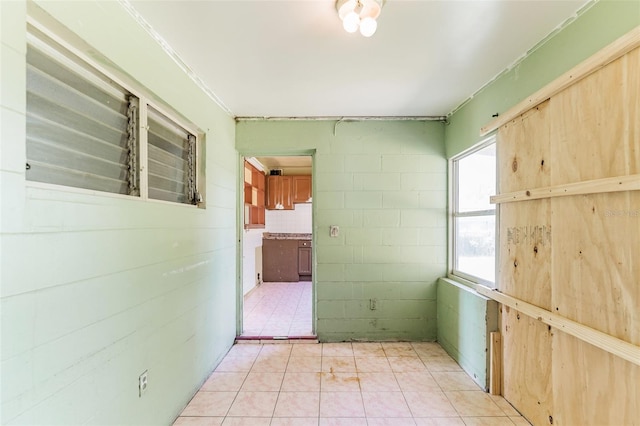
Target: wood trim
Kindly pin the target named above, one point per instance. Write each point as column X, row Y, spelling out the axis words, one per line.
column 495, row 371
column 608, row 54
column 596, row 186
column 606, row 342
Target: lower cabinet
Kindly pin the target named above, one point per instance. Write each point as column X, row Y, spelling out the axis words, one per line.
column 286, row 260
column 304, row 260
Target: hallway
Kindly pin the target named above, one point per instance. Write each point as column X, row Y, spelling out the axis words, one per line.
column 354, row 384
column 278, row 309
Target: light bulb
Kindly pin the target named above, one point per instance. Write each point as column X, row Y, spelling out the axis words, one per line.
column 351, row 22
column 368, row 26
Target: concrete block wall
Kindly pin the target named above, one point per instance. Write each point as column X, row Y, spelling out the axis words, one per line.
column 384, row 184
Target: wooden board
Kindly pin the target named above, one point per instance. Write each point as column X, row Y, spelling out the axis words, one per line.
column 577, row 255
column 527, row 365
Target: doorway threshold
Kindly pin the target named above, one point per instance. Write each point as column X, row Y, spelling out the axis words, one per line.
column 277, row 339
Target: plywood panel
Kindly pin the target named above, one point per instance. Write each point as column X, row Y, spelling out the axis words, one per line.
column 523, row 151
column 525, row 251
column 527, row 365
column 578, row 255
column 596, row 272
column 595, row 124
column 593, row 386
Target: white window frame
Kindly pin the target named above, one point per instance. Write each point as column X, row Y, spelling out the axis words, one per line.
column 454, row 273
column 144, row 102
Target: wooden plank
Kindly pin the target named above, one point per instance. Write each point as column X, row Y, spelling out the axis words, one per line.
column 612, row 184
column 624, row 350
column 610, row 53
column 527, row 365
column 495, row 372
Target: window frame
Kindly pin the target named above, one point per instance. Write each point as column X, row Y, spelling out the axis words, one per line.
column 454, row 213
column 74, row 49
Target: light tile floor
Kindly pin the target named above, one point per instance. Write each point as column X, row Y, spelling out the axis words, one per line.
column 278, row 309
column 351, row 384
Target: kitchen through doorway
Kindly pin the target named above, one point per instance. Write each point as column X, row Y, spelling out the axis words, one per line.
column 277, row 248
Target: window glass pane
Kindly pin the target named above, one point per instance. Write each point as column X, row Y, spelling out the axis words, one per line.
column 475, row 246
column 477, row 180
column 78, row 123
column 171, row 160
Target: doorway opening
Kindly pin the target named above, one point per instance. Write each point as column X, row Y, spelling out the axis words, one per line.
column 277, row 249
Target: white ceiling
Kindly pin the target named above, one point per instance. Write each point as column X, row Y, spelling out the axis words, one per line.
column 277, row 58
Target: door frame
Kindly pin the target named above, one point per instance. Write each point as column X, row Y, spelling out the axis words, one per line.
column 240, row 231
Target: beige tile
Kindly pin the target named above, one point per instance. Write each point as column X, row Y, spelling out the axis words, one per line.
column 439, row 421
column 487, row 421
column 224, row 381
column 198, row 421
column 305, row 364
column 307, row 349
column 301, row 382
column 441, row 363
column 387, row 421
column 519, row 421
column 247, row 421
column 294, row 421
column 338, row 364
column 420, row 381
column 400, row 349
column 454, row 380
column 276, row 349
column 341, row 404
column 505, row 406
column 406, row 364
column 366, row 349
column 474, row 404
column 254, row 404
column 378, row 382
column 385, row 404
column 339, row 382
column 337, row 349
column 265, row 382
column 270, row 364
column 432, row 403
column 236, row 365
column 246, row 350
column 429, row 349
column 209, row 404
column 298, row 404
column 372, row 364
column 344, row 421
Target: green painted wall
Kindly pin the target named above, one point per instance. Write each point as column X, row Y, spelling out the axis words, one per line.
column 595, row 28
column 96, row 289
column 384, row 184
column 465, row 320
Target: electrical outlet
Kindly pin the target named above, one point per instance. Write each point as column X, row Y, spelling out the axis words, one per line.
column 373, row 304
column 334, row 231
column 143, row 382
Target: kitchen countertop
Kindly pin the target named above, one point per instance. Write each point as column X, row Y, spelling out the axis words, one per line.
column 285, row 236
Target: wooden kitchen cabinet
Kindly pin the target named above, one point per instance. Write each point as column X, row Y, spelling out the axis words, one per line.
column 254, row 197
column 280, row 260
column 304, row 260
column 279, row 193
column 301, row 189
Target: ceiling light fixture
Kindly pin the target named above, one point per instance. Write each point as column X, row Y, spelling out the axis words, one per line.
column 360, row 14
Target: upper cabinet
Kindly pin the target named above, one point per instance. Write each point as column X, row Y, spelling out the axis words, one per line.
column 254, row 197
column 279, row 193
column 301, row 189
column 284, row 191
